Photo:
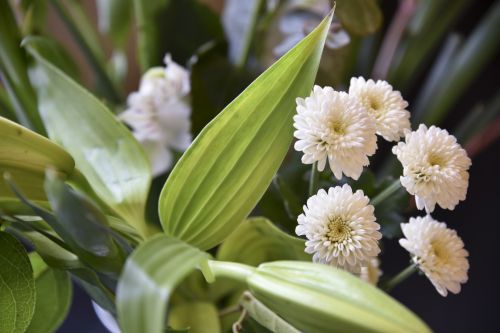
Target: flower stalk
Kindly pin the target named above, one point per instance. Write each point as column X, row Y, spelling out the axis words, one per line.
column 314, row 179
column 403, row 275
column 387, row 192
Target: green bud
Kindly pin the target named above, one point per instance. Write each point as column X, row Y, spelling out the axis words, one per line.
column 318, row 298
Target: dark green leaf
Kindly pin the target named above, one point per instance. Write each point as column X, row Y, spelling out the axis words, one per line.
column 13, row 70
column 194, row 25
column 17, row 286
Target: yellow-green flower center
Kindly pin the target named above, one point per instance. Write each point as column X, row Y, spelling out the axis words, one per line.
column 338, row 230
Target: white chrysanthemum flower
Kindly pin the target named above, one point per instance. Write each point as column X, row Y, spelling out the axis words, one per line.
column 371, row 272
column 159, row 113
column 333, row 126
column 438, row 252
column 385, row 104
column 434, row 168
column 340, row 228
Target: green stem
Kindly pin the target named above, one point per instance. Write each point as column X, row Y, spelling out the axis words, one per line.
column 231, row 270
column 313, row 181
column 403, row 275
column 387, row 192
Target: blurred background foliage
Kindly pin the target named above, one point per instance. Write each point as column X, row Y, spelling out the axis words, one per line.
column 441, row 54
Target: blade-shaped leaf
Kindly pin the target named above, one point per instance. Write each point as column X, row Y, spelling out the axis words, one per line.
column 25, row 155
column 13, row 71
column 17, row 286
column 227, row 169
column 257, row 240
column 148, row 279
column 104, row 149
column 53, row 296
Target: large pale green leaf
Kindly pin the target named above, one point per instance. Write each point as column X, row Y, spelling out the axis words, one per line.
column 148, row 279
column 316, row 298
column 257, row 240
column 105, row 151
column 25, row 155
column 227, row 169
column 17, row 286
column 53, row 296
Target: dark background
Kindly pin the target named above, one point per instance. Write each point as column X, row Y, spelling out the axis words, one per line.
column 476, row 308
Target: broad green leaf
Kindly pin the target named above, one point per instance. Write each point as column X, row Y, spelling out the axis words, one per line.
column 105, row 151
column 53, row 296
column 257, row 240
column 13, row 70
column 316, row 298
column 24, row 156
column 200, row 317
column 227, row 169
column 360, row 17
column 149, row 278
column 17, row 286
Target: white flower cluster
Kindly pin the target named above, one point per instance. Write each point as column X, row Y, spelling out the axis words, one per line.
column 340, row 226
column 159, row 113
column 342, row 128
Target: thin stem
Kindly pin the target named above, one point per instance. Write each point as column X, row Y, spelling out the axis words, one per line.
column 403, row 275
column 387, row 192
column 392, row 38
column 231, row 270
column 313, row 181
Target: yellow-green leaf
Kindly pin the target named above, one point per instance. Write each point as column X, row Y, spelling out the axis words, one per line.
column 200, row 317
column 25, row 155
column 227, row 169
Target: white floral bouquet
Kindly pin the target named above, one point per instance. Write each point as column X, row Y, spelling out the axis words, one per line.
column 183, row 208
